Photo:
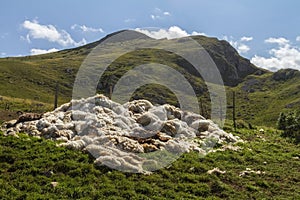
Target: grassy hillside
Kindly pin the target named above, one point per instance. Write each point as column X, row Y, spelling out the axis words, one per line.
column 28, row 166
column 266, row 166
column 260, row 99
column 32, row 79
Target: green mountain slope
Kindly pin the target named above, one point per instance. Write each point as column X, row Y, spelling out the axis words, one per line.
column 260, row 99
column 33, row 78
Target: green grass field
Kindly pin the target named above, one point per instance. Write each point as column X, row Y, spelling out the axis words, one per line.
column 26, row 163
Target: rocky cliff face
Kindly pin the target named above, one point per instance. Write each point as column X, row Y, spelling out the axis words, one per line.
column 232, row 66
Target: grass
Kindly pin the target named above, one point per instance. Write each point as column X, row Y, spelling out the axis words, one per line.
column 267, row 98
column 26, row 162
column 260, row 99
column 28, row 84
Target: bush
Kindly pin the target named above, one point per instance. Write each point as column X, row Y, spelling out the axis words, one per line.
column 241, row 124
column 290, row 124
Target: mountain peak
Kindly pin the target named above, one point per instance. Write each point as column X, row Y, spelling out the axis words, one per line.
column 233, row 67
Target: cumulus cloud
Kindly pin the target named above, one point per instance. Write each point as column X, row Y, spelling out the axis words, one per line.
column 242, row 48
column 3, row 54
column 159, row 14
column 298, row 39
column 50, row 33
column 246, row 39
column 285, row 55
column 176, row 32
column 280, row 41
column 85, row 28
column 239, row 45
column 170, row 33
column 42, row 51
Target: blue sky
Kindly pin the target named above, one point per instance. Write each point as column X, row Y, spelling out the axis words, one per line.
column 267, row 32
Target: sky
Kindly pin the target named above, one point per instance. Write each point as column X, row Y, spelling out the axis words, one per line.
column 265, row 31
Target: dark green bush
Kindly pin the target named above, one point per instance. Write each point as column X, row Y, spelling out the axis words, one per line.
column 290, row 124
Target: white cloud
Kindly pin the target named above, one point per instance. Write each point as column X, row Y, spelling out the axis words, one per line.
column 50, row 33
column 198, row 33
column 85, row 28
column 239, row 45
column 284, row 55
column 26, row 38
column 3, row 54
column 42, row 51
column 246, row 39
column 242, row 48
column 280, row 41
column 170, row 33
column 154, row 17
column 167, row 13
column 177, row 32
column 159, row 14
column 298, row 39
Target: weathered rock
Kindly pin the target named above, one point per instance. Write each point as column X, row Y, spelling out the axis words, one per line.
column 285, row 74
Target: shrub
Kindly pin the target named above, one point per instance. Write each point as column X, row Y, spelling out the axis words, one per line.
column 241, row 124
column 290, row 124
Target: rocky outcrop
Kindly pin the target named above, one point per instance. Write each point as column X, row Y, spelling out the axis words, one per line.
column 285, row 74
column 232, row 66
column 131, row 137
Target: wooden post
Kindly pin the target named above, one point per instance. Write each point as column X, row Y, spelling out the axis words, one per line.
column 7, row 106
column 56, row 95
column 110, row 91
column 221, row 110
column 233, row 110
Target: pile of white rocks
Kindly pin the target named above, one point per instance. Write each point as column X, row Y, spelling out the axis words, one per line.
column 134, row 137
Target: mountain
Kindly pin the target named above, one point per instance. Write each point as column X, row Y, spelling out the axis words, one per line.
column 28, row 83
column 231, row 65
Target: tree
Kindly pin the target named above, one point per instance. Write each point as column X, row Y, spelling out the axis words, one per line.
column 290, row 124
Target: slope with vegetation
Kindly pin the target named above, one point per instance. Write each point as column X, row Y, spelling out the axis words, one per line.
column 261, row 95
column 265, row 167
